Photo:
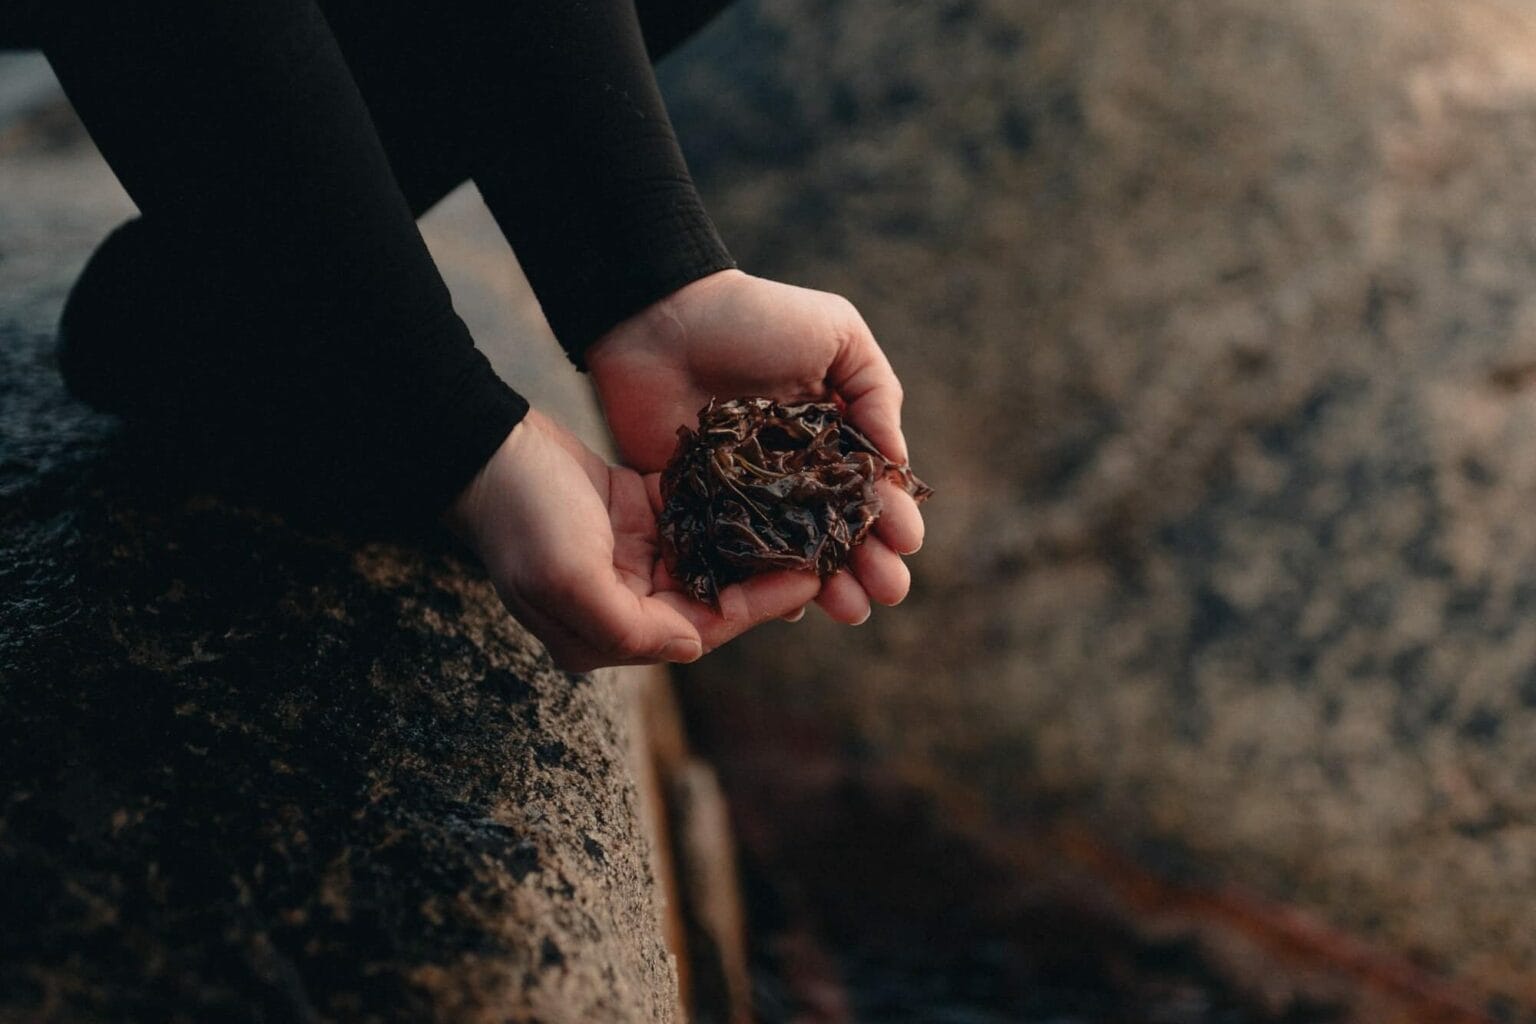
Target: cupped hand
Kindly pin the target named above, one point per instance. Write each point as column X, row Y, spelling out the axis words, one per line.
column 570, row 543
column 731, row 335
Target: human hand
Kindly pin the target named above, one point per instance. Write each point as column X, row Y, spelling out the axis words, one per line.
column 571, row 545
column 732, row 335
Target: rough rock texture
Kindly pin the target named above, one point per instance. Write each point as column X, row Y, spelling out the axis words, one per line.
column 251, row 773
column 1217, row 325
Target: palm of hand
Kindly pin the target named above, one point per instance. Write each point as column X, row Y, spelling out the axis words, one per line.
column 731, row 335
column 726, row 336
column 571, row 544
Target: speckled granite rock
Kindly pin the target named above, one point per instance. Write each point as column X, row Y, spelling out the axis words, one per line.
column 249, row 773
column 253, row 775
column 1217, row 325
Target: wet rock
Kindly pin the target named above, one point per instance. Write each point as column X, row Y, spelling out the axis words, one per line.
column 1216, row 325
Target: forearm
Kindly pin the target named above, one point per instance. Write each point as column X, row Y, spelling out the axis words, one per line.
column 578, row 160
column 239, row 133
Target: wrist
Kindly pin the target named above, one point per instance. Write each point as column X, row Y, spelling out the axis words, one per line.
column 660, row 326
column 465, row 514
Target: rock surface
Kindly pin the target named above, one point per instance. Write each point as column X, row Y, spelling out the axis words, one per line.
column 251, row 773
column 1216, row 320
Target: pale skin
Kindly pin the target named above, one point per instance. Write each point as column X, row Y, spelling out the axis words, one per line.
column 571, row 542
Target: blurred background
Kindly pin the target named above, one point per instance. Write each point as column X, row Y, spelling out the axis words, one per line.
column 1216, row 322
column 1215, row 698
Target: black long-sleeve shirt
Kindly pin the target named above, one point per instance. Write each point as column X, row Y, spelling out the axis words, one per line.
column 279, row 151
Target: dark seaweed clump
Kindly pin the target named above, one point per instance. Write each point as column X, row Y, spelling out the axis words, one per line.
column 761, row 487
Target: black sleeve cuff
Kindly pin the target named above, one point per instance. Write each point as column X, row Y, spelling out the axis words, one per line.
column 578, row 161
column 664, row 244
column 436, row 412
column 473, row 427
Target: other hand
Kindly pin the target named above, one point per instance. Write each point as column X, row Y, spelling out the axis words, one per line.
column 571, row 545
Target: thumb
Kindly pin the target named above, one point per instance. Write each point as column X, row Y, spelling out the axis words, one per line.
column 862, row 375
column 620, row 626
column 745, row 605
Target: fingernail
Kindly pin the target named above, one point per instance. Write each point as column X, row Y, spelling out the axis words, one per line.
column 795, row 616
column 682, row 651
column 867, row 613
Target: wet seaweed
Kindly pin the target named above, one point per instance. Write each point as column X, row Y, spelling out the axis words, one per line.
column 762, row 487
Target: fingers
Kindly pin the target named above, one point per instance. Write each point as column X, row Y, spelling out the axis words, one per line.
column 653, row 492
column 844, row 600
column 863, row 376
column 880, row 572
column 900, row 524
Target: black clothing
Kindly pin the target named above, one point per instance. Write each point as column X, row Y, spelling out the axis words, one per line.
column 276, row 286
